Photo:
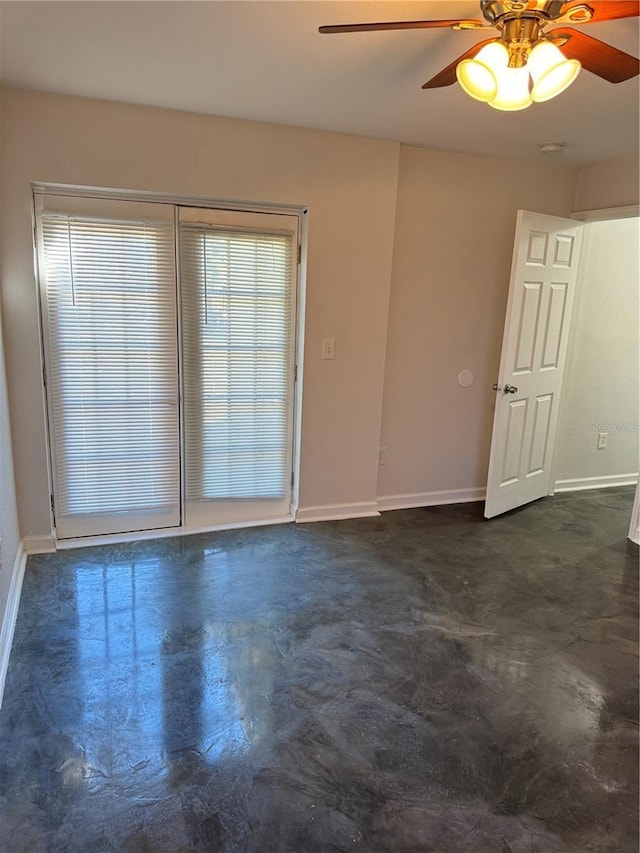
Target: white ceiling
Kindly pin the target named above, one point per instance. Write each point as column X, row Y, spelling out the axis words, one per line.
column 266, row 61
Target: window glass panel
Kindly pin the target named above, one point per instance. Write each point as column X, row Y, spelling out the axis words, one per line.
column 237, row 291
column 112, row 383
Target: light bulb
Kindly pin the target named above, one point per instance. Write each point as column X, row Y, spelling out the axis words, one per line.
column 478, row 76
column 513, row 90
column 550, row 71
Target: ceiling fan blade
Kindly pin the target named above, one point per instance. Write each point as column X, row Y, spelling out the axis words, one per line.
column 400, row 25
column 608, row 10
column 448, row 75
column 596, row 56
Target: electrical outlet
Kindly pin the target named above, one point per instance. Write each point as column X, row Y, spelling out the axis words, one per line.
column 329, row 348
column 382, row 456
column 602, row 440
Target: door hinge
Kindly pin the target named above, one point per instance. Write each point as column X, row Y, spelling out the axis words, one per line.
column 295, row 373
column 44, row 374
column 293, row 478
column 53, row 506
column 299, row 252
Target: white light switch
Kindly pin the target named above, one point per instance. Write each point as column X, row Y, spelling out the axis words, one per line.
column 328, row 348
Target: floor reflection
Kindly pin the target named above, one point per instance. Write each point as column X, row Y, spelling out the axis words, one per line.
column 420, row 681
column 151, row 661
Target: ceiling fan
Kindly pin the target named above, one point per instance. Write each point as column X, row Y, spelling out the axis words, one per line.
column 526, row 62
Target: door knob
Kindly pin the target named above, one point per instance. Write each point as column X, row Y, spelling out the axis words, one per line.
column 510, row 389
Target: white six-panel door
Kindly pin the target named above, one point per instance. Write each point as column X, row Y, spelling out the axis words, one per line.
column 541, row 295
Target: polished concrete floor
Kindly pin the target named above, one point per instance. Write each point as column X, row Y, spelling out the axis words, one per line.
column 422, row 682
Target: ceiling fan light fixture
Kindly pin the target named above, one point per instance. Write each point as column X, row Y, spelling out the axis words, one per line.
column 524, row 63
column 550, row 71
column 478, row 77
column 513, row 90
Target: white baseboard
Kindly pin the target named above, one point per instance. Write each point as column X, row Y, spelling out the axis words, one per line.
column 335, row 512
column 39, row 544
column 11, row 614
column 606, row 482
column 417, row 499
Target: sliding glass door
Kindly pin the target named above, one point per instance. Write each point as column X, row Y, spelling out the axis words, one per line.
column 141, row 439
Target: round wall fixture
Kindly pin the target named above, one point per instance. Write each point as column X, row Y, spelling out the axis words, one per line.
column 465, row 378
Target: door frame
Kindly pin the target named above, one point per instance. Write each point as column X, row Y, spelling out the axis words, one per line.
column 249, row 221
column 634, row 528
column 587, row 216
column 301, row 212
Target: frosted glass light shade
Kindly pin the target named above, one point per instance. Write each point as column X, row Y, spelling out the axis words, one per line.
column 513, row 90
column 478, row 77
column 550, row 71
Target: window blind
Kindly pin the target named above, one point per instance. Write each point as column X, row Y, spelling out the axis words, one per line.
column 237, row 289
column 112, row 385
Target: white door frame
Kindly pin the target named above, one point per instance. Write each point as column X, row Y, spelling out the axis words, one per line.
column 630, row 211
column 634, row 528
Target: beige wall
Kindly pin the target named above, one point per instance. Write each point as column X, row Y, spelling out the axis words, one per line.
column 613, row 183
column 601, row 383
column 9, row 529
column 450, row 241
column 349, row 185
column 455, row 224
column 9, row 532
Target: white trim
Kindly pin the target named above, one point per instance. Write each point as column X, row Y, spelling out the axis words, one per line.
column 39, row 544
column 623, row 212
column 11, row 614
column 84, row 191
column 634, row 528
column 417, row 499
column 301, row 308
column 609, row 481
column 164, row 533
column 335, row 512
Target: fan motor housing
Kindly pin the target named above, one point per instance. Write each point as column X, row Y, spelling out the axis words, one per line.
column 496, row 11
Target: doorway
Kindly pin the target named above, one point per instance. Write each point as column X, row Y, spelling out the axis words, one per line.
column 534, row 385
column 598, row 434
